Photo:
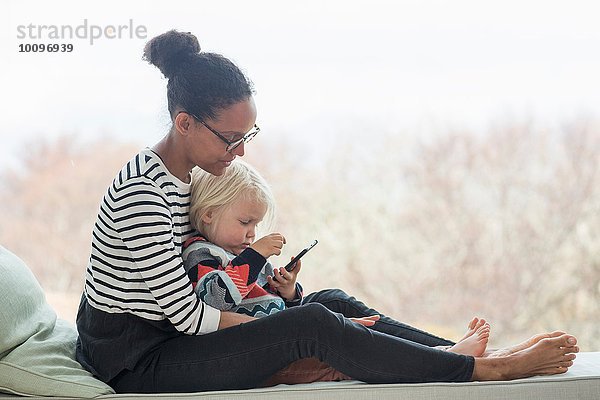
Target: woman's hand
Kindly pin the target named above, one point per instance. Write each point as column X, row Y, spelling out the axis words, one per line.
column 269, row 245
column 284, row 281
column 366, row 321
column 229, row 319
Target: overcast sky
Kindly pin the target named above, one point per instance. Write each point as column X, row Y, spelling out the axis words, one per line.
column 318, row 66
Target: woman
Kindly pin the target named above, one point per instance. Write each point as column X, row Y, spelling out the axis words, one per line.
column 143, row 329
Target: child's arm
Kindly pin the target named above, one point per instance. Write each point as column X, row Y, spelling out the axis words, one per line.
column 219, row 282
column 284, row 283
column 269, row 272
column 245, row 268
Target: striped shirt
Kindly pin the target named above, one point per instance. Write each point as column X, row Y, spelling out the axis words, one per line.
column 135, row 265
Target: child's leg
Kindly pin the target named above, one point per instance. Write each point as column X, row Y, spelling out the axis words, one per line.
column 475, row 341
column 338, row 301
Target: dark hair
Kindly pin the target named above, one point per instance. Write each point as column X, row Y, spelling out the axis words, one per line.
column 199, row 82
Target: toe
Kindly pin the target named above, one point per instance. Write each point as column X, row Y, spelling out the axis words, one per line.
column 557, row 333
column 473, row 323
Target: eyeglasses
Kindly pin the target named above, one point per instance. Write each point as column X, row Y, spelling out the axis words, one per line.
column 231, row 144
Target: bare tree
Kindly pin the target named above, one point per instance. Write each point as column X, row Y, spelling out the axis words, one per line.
column 48, row 206
column 504, row 224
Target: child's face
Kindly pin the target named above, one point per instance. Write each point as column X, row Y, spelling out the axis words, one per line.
column 234, row 228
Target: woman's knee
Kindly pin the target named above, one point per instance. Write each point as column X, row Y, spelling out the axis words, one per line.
column 313, row 310
column 312, row 314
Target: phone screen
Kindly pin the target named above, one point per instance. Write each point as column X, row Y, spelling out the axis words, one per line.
column 292, row 264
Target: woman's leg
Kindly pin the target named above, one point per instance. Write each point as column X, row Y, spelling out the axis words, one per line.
column 246, row 355
column 338, row 301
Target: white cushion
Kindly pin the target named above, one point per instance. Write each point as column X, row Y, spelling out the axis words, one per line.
column 37, row 350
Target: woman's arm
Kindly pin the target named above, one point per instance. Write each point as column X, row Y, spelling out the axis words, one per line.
column 140, row 217
column 229, row 319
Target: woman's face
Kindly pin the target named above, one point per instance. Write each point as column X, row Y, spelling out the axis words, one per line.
column 207, row 150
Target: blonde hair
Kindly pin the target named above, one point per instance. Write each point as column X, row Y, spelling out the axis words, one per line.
column 211, row 193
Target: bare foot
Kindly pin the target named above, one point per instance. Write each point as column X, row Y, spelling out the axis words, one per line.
column 548, row 356
column 475, row 340
column 472, row 327
column 524, row 345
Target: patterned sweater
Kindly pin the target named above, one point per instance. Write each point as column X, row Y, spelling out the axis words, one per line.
column 233, row 283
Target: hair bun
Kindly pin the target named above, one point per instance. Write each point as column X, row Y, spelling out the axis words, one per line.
column 171, row 49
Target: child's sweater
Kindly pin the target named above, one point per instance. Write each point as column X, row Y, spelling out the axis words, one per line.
column 232, row 283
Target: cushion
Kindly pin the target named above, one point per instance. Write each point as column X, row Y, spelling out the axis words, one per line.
column 37, row 350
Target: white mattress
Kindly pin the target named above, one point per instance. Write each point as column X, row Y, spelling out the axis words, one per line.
column 581, row 382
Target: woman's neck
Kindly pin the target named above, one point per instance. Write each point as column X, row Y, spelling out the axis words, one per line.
column 173, row 159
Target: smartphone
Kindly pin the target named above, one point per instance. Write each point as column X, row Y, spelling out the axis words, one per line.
column 292, row 264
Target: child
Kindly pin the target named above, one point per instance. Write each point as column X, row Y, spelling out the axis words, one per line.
column 228, row 268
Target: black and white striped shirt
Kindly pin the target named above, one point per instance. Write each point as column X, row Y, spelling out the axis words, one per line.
column 135, row 265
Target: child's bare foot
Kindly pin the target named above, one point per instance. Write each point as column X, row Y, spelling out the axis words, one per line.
column 472, row 327
column 548, row 356
column 475, row 340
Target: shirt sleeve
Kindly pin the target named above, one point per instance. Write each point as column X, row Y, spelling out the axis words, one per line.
column 142, row 219
column 297, row 299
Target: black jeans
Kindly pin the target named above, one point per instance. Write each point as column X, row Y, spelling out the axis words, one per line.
column 246, row 355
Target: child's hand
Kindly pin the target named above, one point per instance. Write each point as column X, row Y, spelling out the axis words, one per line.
column 269, row 245
column 285, row 281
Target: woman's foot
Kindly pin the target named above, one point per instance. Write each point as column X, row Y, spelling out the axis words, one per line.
column 548, row 356
column 474, row 342
column 524, row 345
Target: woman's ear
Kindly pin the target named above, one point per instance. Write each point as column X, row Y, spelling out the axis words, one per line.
column 183, row 123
